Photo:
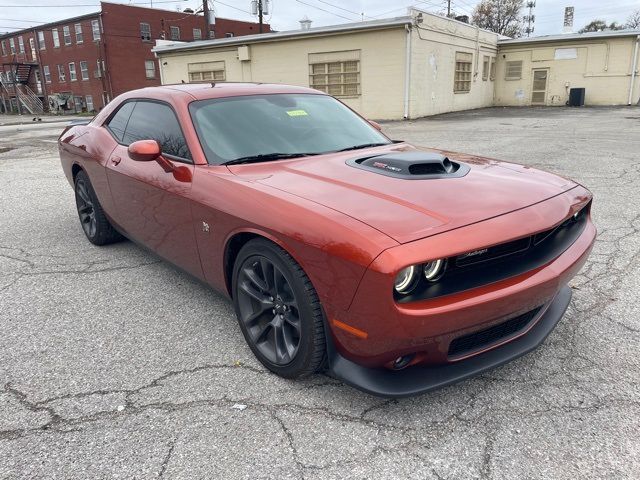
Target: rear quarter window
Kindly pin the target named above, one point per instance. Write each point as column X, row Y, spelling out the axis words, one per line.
column 118, row 123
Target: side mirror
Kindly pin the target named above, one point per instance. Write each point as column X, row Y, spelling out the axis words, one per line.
column 144, row 150
column 375, row 125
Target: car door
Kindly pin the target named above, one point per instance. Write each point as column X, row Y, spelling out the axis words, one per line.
column 153, row 205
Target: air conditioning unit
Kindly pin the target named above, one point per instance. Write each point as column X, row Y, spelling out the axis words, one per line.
column 97, row 74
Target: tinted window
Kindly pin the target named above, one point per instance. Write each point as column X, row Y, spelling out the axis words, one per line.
column 235, row 127
column 155, row 121
column 118, row 122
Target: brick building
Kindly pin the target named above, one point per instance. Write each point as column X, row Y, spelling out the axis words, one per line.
column 81, row 63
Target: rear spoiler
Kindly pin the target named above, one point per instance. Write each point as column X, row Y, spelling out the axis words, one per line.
column 80, row 121
column 76, row 123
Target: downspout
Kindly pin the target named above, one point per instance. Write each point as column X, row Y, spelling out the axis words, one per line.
column 633, row 70
column 407, row 72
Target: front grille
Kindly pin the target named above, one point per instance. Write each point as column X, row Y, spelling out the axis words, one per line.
column 491, row 335
column 498, row 262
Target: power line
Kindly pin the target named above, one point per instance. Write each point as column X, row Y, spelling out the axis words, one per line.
column 327, row 11
column 90, row 4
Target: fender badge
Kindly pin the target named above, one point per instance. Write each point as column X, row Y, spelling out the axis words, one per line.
column 205, row 227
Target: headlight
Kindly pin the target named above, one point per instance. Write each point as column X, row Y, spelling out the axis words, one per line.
column 434, row 270
column 406, row 279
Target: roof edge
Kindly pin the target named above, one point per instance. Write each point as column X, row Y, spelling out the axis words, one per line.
column 287, row 34
column 568, row 37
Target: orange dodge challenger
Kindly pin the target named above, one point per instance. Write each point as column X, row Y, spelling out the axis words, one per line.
column 394, row 268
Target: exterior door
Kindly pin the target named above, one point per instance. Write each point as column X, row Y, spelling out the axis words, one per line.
column 539, row 86
column 152, row 205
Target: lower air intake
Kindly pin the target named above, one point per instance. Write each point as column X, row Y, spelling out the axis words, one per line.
column 484, row 338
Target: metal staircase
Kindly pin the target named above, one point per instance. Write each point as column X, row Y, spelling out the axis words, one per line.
column 15, row 84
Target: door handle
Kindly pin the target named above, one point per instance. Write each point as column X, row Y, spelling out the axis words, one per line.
column 116, row 160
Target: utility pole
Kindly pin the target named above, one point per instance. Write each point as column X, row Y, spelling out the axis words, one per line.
column 530, row 19
column 448, row 8
column 260, row 15
column 205, row 12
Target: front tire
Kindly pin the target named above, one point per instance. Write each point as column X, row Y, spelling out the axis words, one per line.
column 94, row 222
column 278, row 310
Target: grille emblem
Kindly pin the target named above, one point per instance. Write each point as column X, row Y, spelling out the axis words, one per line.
column 475, row 254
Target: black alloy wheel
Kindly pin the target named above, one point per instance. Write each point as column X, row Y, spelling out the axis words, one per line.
column 95, row 224
column 86, row 210
column 278, row 310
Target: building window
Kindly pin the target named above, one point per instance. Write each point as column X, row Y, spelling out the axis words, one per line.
column 61, row 74
column 95, row 29
column 485, row 68
column 56, row 37
column 89, row 100
column 20, row 44
column 513, row 70
column 66, row 33
column 462, row 78
column 150, row 68
column 98, row 72
column 4, row 48
column 84, row 70
column 47, row 73
column 336, row 78
column 72, row 72
column 41, row 44
column 197, row 34
column 145, row 32
column 78, row 30
column 228, row 34
column 175, row 33
column 206, row 72
column 32, row 47
column 12, row 46
column 492, row 69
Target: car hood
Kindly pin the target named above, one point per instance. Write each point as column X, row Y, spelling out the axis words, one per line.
column 409, row 209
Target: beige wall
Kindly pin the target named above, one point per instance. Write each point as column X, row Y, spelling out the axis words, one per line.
column 602, row 67
column 382, row 62
column 434, row 45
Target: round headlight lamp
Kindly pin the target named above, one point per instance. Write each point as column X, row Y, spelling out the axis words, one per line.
column 406, row 279
column 433, row 270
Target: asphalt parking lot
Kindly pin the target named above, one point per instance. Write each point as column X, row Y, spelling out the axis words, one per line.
column 115, row 365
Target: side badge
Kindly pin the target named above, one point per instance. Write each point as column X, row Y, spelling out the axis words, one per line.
column 205, row 227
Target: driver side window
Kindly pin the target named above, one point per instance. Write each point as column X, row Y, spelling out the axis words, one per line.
column 156, row 121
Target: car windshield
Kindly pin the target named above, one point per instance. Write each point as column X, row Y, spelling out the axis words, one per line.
column 271, row 127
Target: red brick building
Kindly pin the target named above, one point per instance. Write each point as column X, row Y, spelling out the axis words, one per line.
column 81, row 63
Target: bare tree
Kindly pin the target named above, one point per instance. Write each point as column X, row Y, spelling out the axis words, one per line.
column 634, row 20
column 598, row 25
column 500, row 16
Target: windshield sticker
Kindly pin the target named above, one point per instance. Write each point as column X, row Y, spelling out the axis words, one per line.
column 297, row 113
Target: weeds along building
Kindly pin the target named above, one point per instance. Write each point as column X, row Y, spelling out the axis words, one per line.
column 81, row 63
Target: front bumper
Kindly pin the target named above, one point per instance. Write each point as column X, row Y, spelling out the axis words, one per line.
column 420, row 379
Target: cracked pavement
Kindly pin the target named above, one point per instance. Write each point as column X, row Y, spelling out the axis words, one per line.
column 114, row 364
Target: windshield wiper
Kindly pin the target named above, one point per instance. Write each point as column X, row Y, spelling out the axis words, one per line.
column 266, row 157
column 364, row 145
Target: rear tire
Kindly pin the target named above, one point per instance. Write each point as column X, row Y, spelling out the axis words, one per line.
column 94, row 222
column 278, row 310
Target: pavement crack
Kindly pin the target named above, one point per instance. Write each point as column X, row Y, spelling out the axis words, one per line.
column 167, row 458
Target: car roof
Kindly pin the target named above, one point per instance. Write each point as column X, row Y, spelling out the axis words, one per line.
column 203, row 91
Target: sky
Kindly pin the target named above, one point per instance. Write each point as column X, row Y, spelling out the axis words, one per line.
column 285, row 14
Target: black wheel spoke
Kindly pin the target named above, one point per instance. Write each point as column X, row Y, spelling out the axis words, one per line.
column 84, row 195
column 293, row 320
column 255, row 294
column 253, row 276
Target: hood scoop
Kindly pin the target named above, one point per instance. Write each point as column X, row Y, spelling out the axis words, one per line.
column 411, row 165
